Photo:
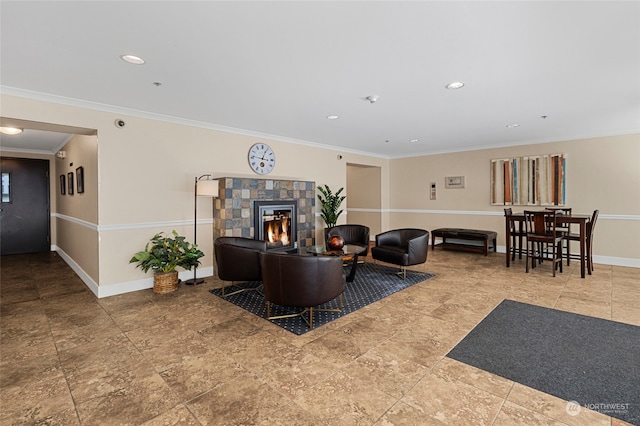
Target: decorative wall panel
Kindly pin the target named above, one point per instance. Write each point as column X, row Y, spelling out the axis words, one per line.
column 534, row 180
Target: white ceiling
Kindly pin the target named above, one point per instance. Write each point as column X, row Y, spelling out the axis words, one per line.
column 280, row 68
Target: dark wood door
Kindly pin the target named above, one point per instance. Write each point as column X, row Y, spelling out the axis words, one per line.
column 24, row 210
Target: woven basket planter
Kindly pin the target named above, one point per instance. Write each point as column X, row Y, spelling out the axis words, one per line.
column 165, row 282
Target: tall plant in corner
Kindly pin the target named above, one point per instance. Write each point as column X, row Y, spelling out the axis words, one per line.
column 330, row 203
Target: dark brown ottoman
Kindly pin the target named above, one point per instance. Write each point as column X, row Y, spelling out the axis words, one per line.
column 466, row 235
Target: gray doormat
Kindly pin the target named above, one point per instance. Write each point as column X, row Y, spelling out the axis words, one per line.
column 371, row 283
column 591, row 361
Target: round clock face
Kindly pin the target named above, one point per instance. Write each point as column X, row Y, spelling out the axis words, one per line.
column 262, row 158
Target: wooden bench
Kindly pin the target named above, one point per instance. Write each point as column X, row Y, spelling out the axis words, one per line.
column 465, row 235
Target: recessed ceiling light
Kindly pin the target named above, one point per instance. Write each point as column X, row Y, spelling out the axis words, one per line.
column 332, row 117
column 511, row 126
column 132, row 59
column 413, row 140
column 10, row 130
column 455, row 85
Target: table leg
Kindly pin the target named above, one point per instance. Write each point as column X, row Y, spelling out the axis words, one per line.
column 521, row 230
column 508, row 236
column 354, row 265
column 583, row 238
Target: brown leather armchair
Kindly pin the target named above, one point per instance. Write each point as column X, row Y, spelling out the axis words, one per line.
column 402, row 247
column 302, row 282
column 238, row 260
column 352, row 234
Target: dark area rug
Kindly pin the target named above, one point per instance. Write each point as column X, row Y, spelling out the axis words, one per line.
column 591, row 361
column 371, row 283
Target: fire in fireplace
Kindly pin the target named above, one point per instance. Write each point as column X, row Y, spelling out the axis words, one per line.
column 275, row 223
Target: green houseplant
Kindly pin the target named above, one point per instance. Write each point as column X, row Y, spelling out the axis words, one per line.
column 163, row 254
column 330, row 203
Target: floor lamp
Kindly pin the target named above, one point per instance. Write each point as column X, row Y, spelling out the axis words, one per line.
column 204, row 187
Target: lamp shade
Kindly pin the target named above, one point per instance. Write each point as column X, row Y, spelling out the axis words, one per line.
column 207, row 188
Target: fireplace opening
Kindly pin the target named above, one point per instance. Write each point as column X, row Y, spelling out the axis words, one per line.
column 275, row 223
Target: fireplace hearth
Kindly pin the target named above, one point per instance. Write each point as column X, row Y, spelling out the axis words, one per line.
column 275, row 223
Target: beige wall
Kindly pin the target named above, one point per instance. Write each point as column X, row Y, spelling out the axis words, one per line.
column 76, row 215
column 364, row 200
column 145, row 175
column 602, row 173
column 145, row 178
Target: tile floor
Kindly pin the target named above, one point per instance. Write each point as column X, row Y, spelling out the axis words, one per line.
column 190, row 358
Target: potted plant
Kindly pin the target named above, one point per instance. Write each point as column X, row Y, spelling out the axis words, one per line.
column 163, row 254
column 330, row 203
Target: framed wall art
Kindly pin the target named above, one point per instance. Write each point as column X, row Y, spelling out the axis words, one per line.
column 529, row 181
column 63, row 185
column 80, row 179
column 70, row 183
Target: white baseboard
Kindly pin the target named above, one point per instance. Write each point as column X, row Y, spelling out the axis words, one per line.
column 125, row 287
column 146, row 283
column 603, row 260
column 88, row 281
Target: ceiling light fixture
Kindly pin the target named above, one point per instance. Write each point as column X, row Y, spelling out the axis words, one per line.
column 511, row 126
column 413, row 140
column 132, row 59
column 455, row 85
column 10, row 130
column 332, row 117
column 373, row 98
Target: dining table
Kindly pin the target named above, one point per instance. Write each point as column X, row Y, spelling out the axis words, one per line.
column 579, row 219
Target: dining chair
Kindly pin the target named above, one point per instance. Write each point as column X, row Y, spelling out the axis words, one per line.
column 588, row 241
column 564, row 228
column 541, row 232
column 516, row 235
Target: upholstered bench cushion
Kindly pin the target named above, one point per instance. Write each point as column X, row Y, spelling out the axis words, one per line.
column 465, row 234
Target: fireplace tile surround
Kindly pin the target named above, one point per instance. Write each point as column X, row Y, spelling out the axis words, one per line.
column 233, row 208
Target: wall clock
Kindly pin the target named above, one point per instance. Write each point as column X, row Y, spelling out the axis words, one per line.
column 262, row 159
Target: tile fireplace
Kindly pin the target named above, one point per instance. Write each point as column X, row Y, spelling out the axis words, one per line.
column 287, row 202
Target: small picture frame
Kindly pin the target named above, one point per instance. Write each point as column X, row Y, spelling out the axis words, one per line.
column 70, row 183
column 63, row 185
column 454, row 182
column 80, row 179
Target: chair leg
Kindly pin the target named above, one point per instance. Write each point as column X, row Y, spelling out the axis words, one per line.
column 402, row 272
column 519, row 247
column 554, row 265
column 556, row 256
column 310, row 317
